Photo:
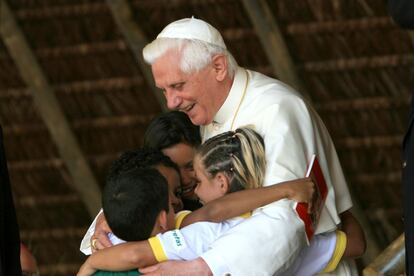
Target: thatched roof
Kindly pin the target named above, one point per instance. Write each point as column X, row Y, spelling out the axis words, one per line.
column 93, row 98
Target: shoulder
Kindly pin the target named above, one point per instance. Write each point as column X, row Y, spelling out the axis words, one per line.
column 266, row 92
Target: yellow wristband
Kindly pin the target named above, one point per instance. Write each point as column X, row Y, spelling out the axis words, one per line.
column 338, row 252
column 157, row 249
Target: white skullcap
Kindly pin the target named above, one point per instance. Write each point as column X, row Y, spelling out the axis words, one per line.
column 192, row 28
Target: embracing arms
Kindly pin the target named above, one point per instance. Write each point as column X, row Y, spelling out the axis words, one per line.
column 237, row 203
column 120, row 257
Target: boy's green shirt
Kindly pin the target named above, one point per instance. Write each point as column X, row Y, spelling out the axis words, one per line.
column 133, row 272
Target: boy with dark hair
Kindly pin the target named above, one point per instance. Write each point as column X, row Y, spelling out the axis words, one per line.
column 146, row 158
column 138, row 159
column 133, row 201
column 136, row 204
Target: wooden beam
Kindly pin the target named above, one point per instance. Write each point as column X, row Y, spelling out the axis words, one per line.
column 390, row 262
column 50, row 234
column 364, row 104
column 351, row 25
column 111, row 85
column 384, row 141
column 34, row 164
column 135, row 37
column 273, row 43
column 49, row 109
column 114, row 121
column 36, row 201
column 96, row 123
column 82, row 49
column 57, row 11
column 342, row 64
column 380, row 176
column 56, row 163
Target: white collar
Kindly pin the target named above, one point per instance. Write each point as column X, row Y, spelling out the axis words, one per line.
column 234, row 97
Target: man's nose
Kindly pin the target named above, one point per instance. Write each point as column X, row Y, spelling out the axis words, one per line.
column 173, row 100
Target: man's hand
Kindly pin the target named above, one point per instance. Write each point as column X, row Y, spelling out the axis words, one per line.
column 99, row 239
column 197, row 267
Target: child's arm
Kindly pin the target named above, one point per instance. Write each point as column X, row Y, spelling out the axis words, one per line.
column 121, row 257
column 238, row 203
column 356, row 243
column 350, row 242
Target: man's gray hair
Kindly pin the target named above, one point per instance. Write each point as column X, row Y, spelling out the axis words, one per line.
column 195, row 54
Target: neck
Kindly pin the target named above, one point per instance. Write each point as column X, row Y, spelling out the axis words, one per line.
column 224, row 92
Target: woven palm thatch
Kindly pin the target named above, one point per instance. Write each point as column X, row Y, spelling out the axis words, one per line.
column 347, row 57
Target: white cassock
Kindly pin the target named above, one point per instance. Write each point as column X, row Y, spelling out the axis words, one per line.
column 269, row 242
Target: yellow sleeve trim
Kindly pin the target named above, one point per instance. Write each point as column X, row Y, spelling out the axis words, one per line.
column 157, row 249
column 338, row 252
column 246, row 215
column 179, row 217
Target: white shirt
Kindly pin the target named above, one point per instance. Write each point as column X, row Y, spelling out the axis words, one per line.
column 193, row 240
column 292, row 132
column 190, row 242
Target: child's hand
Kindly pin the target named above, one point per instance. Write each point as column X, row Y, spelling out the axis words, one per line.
column 301, row 190
column 86, row 269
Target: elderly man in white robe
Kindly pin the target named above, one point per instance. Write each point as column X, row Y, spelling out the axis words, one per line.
column 192, row 66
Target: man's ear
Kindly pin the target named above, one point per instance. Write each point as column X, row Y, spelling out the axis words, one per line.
column 220, row 67
column 223, row 181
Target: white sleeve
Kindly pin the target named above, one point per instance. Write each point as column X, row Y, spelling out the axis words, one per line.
column 114, row 239
column 315, row 257
column 187, row 243
column 85, row 246
column 260, row 245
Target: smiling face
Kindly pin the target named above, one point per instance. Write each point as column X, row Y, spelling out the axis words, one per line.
column 174, row 186
column 208, row 187
column 198, row 94
column 182, row 154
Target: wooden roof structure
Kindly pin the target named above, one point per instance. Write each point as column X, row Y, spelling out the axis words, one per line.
column 75, row 92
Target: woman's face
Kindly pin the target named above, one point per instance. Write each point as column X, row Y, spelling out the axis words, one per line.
column 208, row 188
column 182, row 154
column 174, row 186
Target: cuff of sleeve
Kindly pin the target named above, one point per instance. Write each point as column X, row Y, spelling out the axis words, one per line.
column 338, row 252
column 157, row 249
column 179, row 217
column 215, row 263
column 85, row 246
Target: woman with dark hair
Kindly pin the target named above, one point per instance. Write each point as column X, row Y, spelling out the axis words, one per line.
column 175, row 135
